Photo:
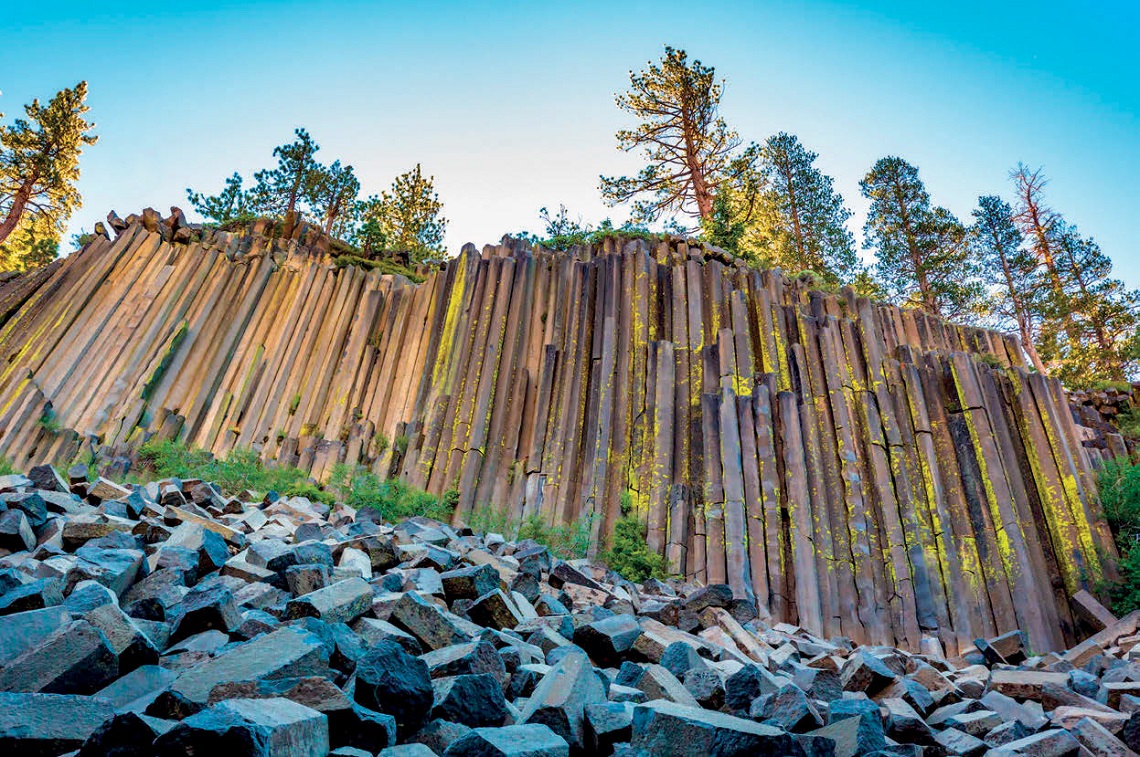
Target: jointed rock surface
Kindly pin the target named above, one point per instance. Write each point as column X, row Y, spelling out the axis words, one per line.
column 855, row 469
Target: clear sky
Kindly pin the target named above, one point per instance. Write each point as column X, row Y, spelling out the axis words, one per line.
column 510, row 105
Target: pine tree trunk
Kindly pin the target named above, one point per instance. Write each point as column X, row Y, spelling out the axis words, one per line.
column 19, row 202
column 1029, row 347
column 1019, row 311
column 794, row 211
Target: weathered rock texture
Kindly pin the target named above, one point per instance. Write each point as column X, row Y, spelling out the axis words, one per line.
column 1099, row 411
column 855, row 468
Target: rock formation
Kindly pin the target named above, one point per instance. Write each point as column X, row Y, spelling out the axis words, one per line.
column 853, row 468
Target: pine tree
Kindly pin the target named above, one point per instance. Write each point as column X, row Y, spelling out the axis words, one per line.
column 923, row 259
column 277, row 191
column 688, row 147
column 1104, row 314
column 39, row 168
column 724, row 227
column 408, row 218
column 1010, row 269
column 33, row 244
column 1038, row 222
column 331, row 195
column 233, row 203
column 743, row 205
column 807, row 228
column 1088, row 320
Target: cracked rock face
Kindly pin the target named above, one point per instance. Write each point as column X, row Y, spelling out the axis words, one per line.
column 172, row 620
column 854, row 468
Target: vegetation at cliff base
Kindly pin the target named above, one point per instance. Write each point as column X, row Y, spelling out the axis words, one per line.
column 242, row 469
column 237, row 471
column 569, row 542
column 1119, row 483
column 395, row 500
column 629, row 555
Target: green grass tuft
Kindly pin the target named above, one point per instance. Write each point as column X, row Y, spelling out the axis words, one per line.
column 990, row 359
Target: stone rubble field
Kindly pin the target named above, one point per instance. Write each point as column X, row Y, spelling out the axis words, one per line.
column 172, row 620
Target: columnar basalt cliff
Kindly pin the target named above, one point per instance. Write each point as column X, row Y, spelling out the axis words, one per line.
column 855, row 468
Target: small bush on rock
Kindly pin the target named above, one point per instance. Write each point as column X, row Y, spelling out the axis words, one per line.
column 569, row 542
column 239, row 470
column 395, row 500
column 629, row 554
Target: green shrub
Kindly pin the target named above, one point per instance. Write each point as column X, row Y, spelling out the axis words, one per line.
column 569, row 542
column 1103, row 385
column 400, row 445
column 1119, row 483
column 491, row 520
column 1125, row 595
column 239, row 470
column 819, row 282
column 562, row 232
column 629, row 554
column 6, row 467
column 626, row 501
column 381, row 443
column 1128, row 423
column 990, row 359
column 309, row 491
column 394, row 499
column 169, row 459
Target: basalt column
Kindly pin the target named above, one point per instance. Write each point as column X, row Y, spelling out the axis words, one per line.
column 851, row 467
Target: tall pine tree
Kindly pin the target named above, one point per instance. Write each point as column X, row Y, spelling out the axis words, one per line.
column 923, row 259
column 687, row 146
column 806, row 219
column 278, row 190
column 233, row 203
column 1102, row 312
column 330, row 192
column 1010, row 270
column 407, row 218
column 39, row 167
column 1088, row 319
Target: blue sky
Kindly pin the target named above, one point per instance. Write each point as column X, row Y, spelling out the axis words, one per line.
column 510, row 105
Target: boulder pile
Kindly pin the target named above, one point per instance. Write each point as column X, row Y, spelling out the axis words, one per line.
column 170, row 619
column 1099, row 412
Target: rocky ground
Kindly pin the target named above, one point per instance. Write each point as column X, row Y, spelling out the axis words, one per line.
column 172, row 620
